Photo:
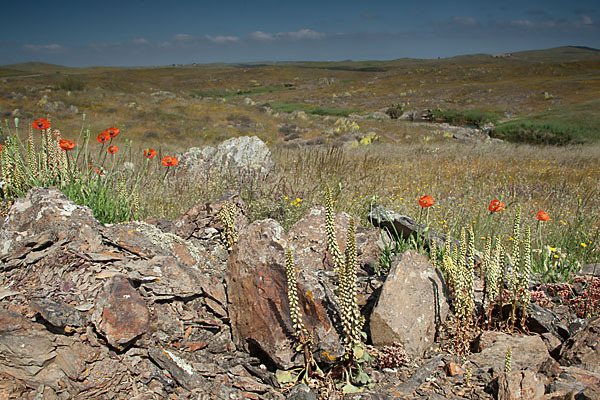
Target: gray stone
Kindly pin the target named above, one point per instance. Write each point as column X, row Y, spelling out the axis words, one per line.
column 301, row 392
column 411, row 306
column 527, row 351
column 242, row 155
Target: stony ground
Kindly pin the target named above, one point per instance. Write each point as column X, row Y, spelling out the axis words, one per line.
column 162, row 309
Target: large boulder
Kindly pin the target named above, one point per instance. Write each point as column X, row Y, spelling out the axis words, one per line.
column 258, row 301
column 412, row 305
column 245, row 154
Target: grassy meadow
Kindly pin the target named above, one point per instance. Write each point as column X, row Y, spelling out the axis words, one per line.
column 545, row 105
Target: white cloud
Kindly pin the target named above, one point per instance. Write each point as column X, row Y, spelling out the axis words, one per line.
column 182, row 37
column 47, row 48
column 140, row 41
column 525, row 23
column 222, row 39
column 302, row 34
column 466, row 21
column 261, row 36
column 586, row 20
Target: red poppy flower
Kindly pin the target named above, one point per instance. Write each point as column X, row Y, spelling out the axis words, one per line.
column 170, row 161
column 426, row 201
column 149, row 153
column 103, row 137
column 99, row 171
column 542, row 216
column 496, row 205
column 112, row 149
column 1, row 147
column 66, row 145
column 41, row 123
column 112, row 132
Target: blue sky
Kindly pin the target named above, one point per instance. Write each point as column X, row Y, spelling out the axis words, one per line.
column 134, row 32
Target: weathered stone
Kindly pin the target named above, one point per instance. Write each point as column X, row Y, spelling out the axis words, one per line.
column 245, row 155
column 453, row 369
column 166, row 277
column 200, row 223
column 490, row 347
column 583, row 349
column 520, row 385
column 301, row 392
column 48, row 213
column 120, row 314
column 404, row 226
column 179, row 368
column 421, row 375
column 309, row 239
column 58, row 314
column 146, row 241
column 411, row 306
column 573, row 381
column 543, row 320
column 257, row 292
column 28, row 352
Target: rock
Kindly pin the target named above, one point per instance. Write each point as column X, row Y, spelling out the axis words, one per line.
column 58, row 314
column 27, row 351
column 412, row 305
column 404, row 226
column 573, row 381
column 120, row 314
column 490, row 347
column 301, row 392
column 47, row 212
column 258, row 302
column 583, row 349
column 543, row 320
column 520, row 385
column 309, row 239
column 453, row 369
column 179, row 368
column 406, row 389
column 201, row 225
column 245, row 155
column 146, row 241
column 166, row 277
column 552, row 342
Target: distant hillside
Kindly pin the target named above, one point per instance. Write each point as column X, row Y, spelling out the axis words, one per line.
column 38, row 67
column 564, row 53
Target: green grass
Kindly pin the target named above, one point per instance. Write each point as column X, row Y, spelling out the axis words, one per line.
column 578, row 123
column 309, row 109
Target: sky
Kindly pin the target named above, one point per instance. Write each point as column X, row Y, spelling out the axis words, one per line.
column 151, row 32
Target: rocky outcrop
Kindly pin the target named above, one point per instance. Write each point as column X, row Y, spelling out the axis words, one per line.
column 164, row 310
column 412, row 306
column 243, row 155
